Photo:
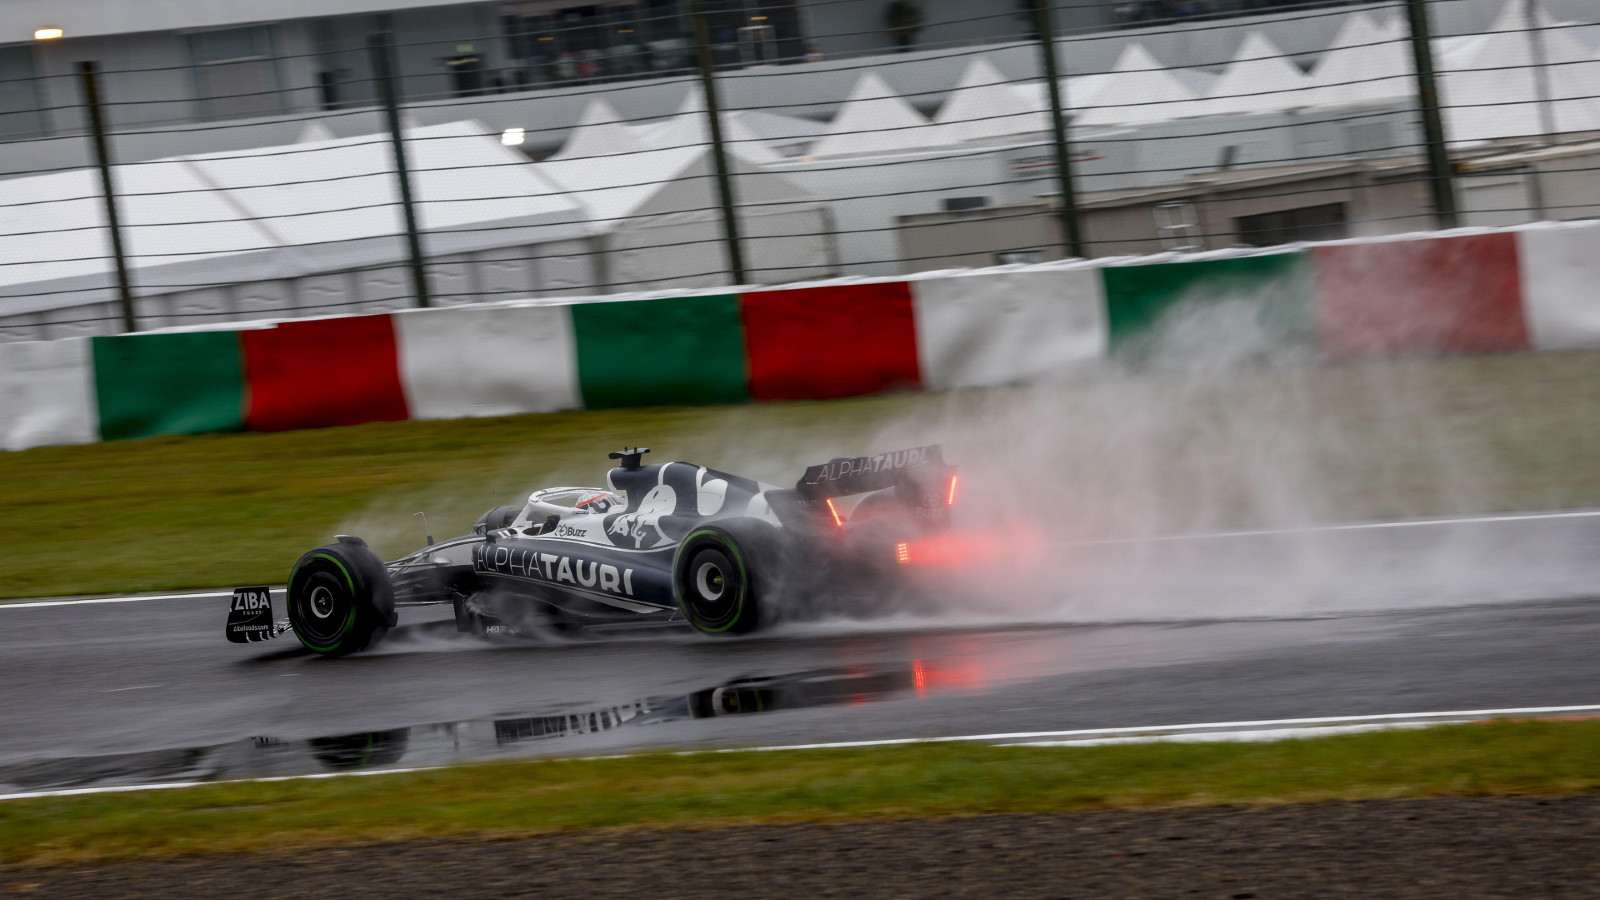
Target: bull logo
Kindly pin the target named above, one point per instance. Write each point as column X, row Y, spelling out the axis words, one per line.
column 644, row 526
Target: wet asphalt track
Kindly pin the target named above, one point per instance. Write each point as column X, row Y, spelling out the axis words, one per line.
column 1444, row 616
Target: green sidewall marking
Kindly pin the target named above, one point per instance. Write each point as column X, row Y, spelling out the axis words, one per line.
column 347, row 579
column 349, row 621
column 744, row 578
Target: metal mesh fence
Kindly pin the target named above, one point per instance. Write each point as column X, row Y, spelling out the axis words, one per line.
column 668, row 149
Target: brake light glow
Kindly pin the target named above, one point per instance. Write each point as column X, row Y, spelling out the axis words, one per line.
column 902, row 552
column 833, row 509
column 950, row 498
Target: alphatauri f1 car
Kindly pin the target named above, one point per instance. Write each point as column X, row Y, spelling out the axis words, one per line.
column 674, row 543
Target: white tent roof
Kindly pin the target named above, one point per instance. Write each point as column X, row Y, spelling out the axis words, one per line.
column 1198, row 80
column 71, row 226
column 275, row 212
column 984, row 106
column 874, row 119
column 461, row 175
column 1077, row 91
column 618, row 190
column 1259, row 79
column 1139, row 90
column 1366, row 63
column 1493, row 93
column 688, row 128
column 599, row 132
column 613, row 187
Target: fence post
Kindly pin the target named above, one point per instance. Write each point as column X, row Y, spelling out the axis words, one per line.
column 719, row 155
column 102, row 158
column 1071, row 232
column 1440, row 176
column 388, row 95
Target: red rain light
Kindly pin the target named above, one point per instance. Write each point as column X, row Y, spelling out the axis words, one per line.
column 918, row 676
column 902, row 552
column 836, row 520
column 950, row 498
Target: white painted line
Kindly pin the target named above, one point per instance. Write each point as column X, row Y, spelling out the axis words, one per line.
column 91, row 601
column 172, row 785
column 1233, row 737
column 1358, row 526
column 1265, row 729
column 1019, row 736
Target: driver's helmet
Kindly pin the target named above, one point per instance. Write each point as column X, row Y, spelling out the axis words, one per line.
column 598, row 503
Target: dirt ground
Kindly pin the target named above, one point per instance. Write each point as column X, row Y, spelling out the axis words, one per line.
column 1454, row 848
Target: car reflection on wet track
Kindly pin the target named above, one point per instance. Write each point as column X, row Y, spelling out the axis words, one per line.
column 437, row 744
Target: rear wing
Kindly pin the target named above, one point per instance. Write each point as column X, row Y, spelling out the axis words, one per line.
column 919, row 476
column 920, row 467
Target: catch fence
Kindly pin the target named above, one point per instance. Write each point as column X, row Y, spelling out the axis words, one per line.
column 359, row 179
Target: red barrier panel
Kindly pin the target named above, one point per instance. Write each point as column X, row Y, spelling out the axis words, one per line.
column 1441, row 295
column 322, row 372
column 823, row 342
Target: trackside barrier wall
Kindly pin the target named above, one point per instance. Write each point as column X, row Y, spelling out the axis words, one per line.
column 1466, row 291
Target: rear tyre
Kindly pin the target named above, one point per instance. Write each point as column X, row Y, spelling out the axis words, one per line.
column 720, row 573
column 340, row 599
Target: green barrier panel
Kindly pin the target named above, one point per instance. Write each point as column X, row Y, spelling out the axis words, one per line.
column 671, row 351
column 152, row 384
column 1154, row 309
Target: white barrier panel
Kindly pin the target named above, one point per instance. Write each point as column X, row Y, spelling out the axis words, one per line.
column 47, row 394
column 1561, row 285
column 496, row 361
column 993, row 328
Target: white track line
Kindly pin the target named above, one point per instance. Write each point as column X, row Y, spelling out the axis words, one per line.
column 1262, row 730
column 1261, row 735
column 1357, row 526
column 90, row 601
column 1018, row 736
column 171, row 785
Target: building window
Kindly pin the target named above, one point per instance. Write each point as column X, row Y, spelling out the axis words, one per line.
column 960, row 205
column 564, row 41
column 235, row 72
column 1310, row 223
column 20, row 109
column 555, row 41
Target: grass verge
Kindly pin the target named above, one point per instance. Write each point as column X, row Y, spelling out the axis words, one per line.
column 716, row 790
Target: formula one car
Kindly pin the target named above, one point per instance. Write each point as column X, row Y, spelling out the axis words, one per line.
column 672, row 543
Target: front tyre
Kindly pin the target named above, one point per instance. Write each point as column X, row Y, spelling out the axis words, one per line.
column 718, row 576
column 340, row 599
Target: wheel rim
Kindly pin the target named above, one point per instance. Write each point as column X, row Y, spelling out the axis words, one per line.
column 320, row 610
column 710, row 582
column 321, row 602
column 713, row 592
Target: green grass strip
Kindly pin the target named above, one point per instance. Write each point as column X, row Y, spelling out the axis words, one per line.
column 711, row 790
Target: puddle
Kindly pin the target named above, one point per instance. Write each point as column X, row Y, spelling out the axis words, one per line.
column 484, row 739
